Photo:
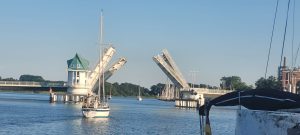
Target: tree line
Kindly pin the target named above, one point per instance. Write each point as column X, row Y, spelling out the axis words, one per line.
column 34, row 78
column 8, row 79
column 231, row 83
column 129, row 89
column 236, row 83
column 31, row 78
column 126, row 89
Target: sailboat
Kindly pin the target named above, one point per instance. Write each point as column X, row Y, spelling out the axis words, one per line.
column 94, row 106
column 265, row 110
column 109, row 97
column 139, row 97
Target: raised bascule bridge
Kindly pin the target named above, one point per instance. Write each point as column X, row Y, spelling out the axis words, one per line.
column 180, row 91
column 106, row 58
column 82, row 81
column 169, row 67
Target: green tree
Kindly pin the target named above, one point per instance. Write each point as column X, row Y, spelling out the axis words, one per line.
column 31, row 78
column 203, row 86
column 270, row 83
column 124, row 89
column 9, row 79
column 234, row 83
column 155, row 89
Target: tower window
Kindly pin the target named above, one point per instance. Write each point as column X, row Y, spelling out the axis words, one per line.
column 77, row 74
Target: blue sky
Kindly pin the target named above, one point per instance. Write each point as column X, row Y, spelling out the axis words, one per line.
column 216, row 38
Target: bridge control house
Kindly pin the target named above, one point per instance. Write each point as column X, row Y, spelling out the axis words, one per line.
column 78, row 75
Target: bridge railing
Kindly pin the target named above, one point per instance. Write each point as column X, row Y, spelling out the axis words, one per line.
column 212, row 91
column 32, row 84
column 219, row 91
column 20, row 83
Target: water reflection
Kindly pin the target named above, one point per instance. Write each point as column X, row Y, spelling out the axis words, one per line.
column 90, row 126
column 128, row 116
column 95, row 121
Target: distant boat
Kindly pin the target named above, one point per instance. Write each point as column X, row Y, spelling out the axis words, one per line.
column 109, row 97
column 94, row 106
column 139, row 97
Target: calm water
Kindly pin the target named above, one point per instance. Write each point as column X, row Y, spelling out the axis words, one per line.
column 32, row 114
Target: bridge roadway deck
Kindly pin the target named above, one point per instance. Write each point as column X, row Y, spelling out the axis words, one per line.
column 211, row 93
column 32, row 86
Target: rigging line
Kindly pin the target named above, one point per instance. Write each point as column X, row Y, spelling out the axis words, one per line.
column 293, row 34
column 297, row 53
column 284, row 35
column 271, row 40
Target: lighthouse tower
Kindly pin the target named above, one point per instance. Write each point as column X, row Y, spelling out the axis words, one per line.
column 78, row 75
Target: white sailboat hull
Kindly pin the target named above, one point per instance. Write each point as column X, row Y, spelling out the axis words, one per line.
column 255, row 122
column 139, row 98
column 95, row 112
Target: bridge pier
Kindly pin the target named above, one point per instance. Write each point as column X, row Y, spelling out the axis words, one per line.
column 53, row 98
column 188, row 103
column 65, row 98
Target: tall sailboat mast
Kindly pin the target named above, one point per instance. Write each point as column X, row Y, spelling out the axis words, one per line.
column 100, row 54
column 97, row 107
column 103, row 81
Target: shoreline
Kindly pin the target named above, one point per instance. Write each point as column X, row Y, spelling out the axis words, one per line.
column 47, row 92
column 27, row 91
